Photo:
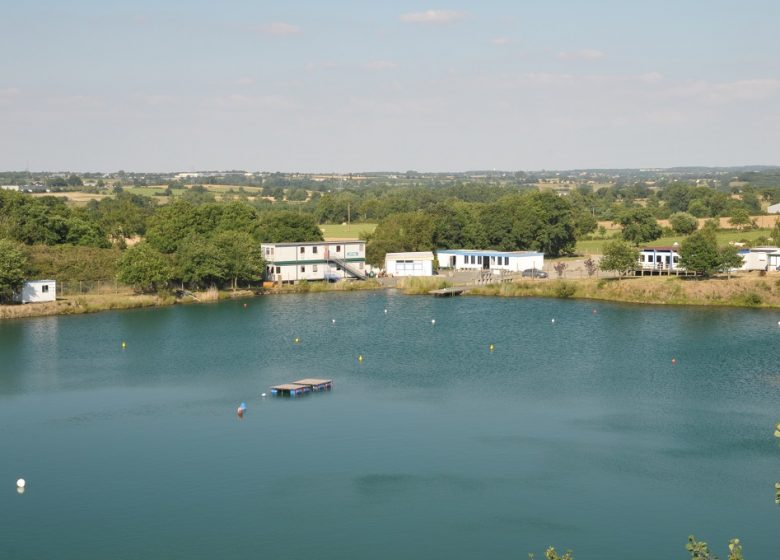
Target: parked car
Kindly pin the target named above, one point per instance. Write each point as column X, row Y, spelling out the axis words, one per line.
column 534, row 273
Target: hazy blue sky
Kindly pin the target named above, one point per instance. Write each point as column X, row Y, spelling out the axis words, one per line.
column 306, row 85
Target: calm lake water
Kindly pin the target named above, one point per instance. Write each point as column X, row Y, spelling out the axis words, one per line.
column 579, row 433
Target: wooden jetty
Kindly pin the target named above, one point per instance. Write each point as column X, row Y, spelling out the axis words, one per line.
column 448, row 292
column 302, row 386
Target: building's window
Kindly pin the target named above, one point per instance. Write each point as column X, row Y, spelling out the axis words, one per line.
column 338, row 267
column 479, row 260
column 267, row 251
column 303, row 250
column 278, row 269
column 338, row 248
column 314, row 249
column 314, row 268
column 45, row 288
column 303, row 268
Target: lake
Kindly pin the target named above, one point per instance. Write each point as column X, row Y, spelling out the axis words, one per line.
column 579, row 432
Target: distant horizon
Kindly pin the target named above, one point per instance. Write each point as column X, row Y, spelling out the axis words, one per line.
column 398, row 172
column 315, row 87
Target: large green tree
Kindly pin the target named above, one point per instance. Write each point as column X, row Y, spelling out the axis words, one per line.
column 683, row 223
column 410, row 231
column 699, row 253
column 13, row 263
column 639, row 225
column 242, row 256
column 288, row 227
column 144, row 268
column 619, row 256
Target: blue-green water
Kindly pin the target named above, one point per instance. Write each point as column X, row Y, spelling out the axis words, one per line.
column 579, row 433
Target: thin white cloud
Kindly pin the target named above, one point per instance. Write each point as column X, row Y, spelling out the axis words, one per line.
column 583, row 54
column 245, row 81
column 277, row 29
column 725, row 92
column 502, row 41
column 433, row 16
column 380, row 65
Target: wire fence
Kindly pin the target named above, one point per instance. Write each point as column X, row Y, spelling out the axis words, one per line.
column 74, row 288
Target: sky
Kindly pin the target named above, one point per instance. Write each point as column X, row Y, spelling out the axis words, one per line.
column 350, row 86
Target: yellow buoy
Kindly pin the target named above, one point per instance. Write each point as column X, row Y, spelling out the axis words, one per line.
column 297, row 340
column 491, row 347
column 124, row 344
column 360, row 358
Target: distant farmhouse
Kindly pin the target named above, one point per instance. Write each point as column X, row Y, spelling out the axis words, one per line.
column 774, row 209
column 316, row 260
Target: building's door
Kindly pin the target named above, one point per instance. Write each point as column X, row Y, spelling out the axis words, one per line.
column 486, row 263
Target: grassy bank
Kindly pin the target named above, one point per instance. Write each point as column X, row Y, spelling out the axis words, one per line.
column 742, row 291
column 305, row 287
column 413, row 285
column 92, row 303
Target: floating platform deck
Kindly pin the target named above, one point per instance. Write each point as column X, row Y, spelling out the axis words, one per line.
column 315, row 384
column 301, row 387
column 448, row 292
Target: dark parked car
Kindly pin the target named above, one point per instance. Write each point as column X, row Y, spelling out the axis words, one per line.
column 534, row 273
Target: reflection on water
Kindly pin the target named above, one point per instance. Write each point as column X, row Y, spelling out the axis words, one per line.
column 580, row 433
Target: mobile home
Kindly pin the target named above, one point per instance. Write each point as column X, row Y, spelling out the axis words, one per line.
column 467, row 259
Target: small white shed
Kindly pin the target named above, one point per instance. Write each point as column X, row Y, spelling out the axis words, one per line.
column 418, row 263
column 773, row 209
column 37, row 291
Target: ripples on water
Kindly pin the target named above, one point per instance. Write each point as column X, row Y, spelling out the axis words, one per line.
column 579, row 433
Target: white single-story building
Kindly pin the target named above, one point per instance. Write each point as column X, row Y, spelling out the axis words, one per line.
column 773, row 209
column 315, row 260
column 467, row 259
column 660, row 258
column 37, row 291
column 418, row 263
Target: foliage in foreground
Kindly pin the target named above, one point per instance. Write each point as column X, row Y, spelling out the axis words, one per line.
column 12, row 268
column 697, row 549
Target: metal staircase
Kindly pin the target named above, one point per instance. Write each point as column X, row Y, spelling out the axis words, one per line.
column 346, row 266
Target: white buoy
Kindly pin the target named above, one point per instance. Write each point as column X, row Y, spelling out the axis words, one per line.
column 21, row 483
column 553, row 320
column 263, row 395
column 333, row 321
column 777, row 322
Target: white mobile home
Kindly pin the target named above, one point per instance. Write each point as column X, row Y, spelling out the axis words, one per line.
column 660, row 258
column 37, row 291
column 418, row 263
column 315, row 260
column 467, row 259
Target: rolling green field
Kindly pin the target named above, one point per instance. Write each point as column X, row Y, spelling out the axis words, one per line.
column 594, row 246
column 343, row 231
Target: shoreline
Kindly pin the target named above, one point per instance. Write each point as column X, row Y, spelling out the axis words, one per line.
column 96, row 303
column 749, row 292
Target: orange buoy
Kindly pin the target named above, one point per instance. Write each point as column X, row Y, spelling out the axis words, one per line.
column 674, row 361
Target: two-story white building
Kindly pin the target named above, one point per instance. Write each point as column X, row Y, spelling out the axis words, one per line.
column 315, row 260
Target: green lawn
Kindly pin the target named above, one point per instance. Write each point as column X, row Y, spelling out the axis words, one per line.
column 343, row 231
column 594, row 246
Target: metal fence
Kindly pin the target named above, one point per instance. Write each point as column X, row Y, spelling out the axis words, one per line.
column 91, row 287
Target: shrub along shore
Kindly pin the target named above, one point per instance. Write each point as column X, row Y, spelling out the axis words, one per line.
column 740, row 291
